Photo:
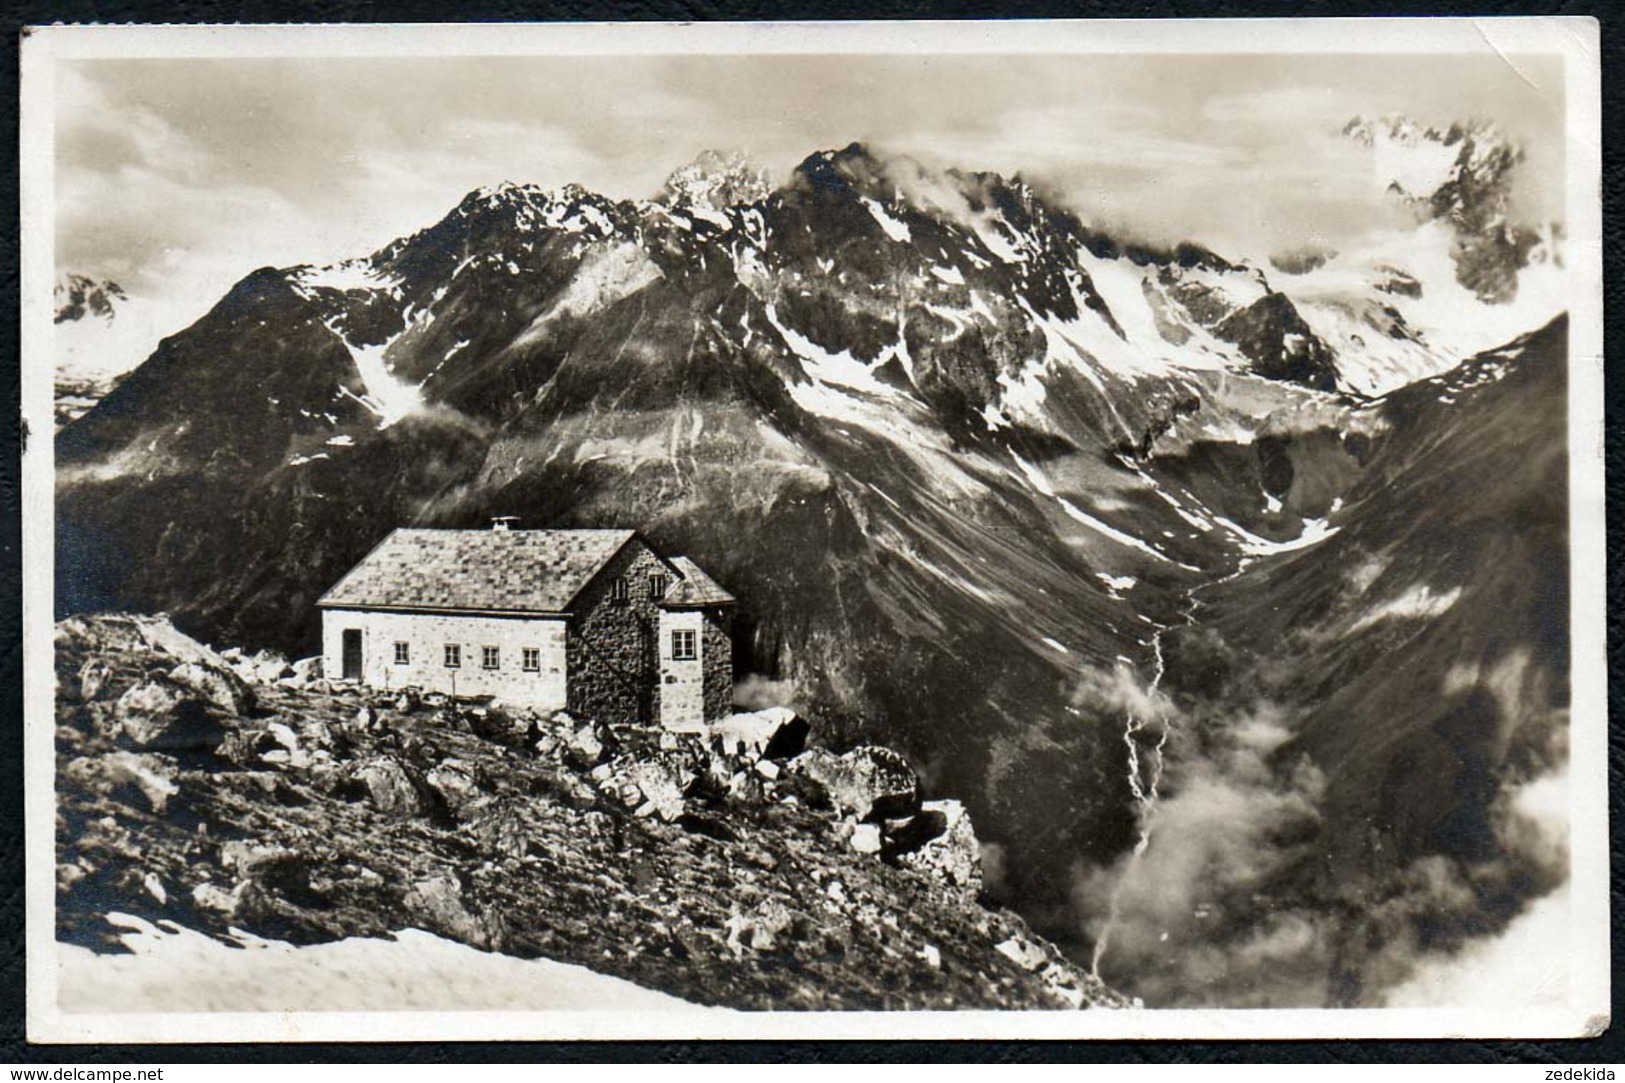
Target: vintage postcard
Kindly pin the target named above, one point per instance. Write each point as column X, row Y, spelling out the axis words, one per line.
column 1020, row 529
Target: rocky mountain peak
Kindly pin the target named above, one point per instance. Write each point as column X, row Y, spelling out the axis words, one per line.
column 853, row 168
column 1462, row 176
column 716, row 180
column 78, row 297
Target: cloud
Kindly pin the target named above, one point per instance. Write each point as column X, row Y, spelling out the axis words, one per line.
column 1184, row 919
column 1524, row 967
column 754, row 692
column 1223, row 907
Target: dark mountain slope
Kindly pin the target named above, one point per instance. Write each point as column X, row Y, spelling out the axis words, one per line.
column 1358, row 721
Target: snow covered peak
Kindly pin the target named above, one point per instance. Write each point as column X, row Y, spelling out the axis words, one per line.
column 1420, row 163
column 79, row 297
column 1390, row 127
column 716, row 180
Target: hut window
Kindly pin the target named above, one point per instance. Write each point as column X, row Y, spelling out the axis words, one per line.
column 684, row 647
column 454, row 656
column 491, row 658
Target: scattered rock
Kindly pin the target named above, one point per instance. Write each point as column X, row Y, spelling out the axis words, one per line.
column 866, row 838
column 768, row 769
column 436, row 904
column 663, row 781
column 283, row 734
column 777, row 733
column 210, row 897
column 746, row 788
column 498, row 829
column 158, row 714
column 307, row 670
column 870, row 782
column 932, row 956
column 369, row 721
column 67, row 875
column 600, row 826
column 407, row 700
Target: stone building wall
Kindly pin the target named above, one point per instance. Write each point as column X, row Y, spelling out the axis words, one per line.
column 682, row 681
column 700, row 690
column 612, row 647
column 717, row 653
column 426, row 635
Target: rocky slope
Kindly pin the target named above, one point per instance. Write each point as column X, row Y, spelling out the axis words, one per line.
column 740, row 872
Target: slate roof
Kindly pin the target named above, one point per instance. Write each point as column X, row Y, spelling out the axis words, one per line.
column 532, row 571
column 695, row 588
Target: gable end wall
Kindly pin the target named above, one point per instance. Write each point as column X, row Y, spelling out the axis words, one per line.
column 611, row 650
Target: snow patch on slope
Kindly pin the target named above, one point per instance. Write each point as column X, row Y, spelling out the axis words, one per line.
column 895, row 229
column 1315, row 531
column 352, row 274
column 173, row 969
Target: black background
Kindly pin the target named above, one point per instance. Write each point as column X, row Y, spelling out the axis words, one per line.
column 1608, row 1049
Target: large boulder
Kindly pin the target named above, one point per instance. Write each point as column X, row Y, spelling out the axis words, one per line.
column 588, row 746
column 497, row 828
column 163, row 716
column 262, row 667
column 941, row 841
column 222, row 688
column 436, row 903
column 457, row 783
column 869, row 782
column 391, row 786
column 162, row 636
column 663, row 781
column 122, row 776
column 769, row 928
column 777, row 733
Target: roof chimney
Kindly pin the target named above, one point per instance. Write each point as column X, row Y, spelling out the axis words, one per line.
column 503, row 522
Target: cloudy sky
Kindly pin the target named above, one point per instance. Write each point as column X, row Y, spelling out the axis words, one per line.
column 177, row 177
